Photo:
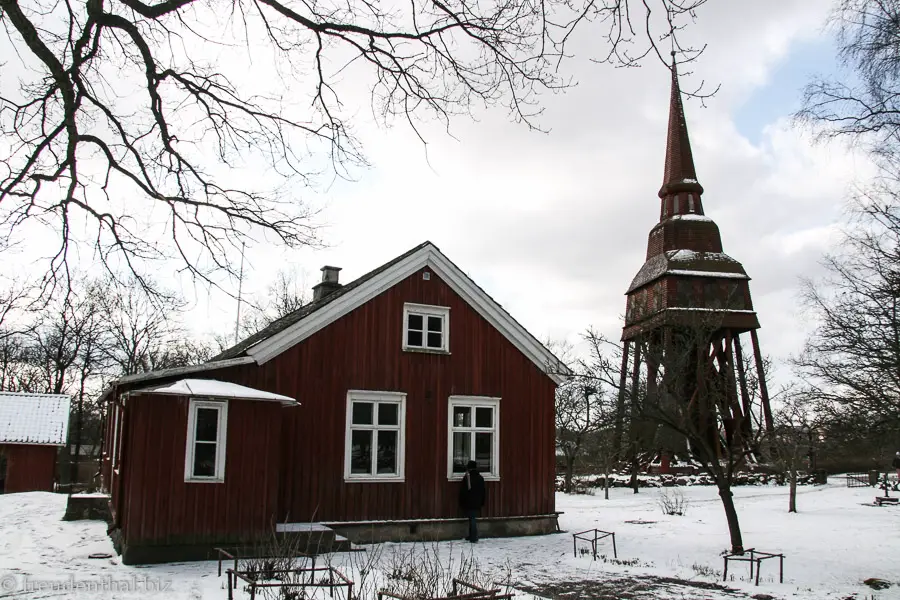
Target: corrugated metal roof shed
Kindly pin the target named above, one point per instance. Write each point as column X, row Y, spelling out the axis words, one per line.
column 34, row 418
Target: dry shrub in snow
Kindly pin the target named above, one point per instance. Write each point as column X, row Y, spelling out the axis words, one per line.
column 672, row 502
column 420, row 570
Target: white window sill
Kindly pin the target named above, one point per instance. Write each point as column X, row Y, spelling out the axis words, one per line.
column 209, row 480
column 486, row 477
column 374, row 479
column 425, row 350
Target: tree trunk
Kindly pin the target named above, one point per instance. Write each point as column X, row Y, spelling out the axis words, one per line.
column 606, row 481
column 634, row 473
column 73, row 467
column 734, row 528
column 792, row 502
column 570, row 465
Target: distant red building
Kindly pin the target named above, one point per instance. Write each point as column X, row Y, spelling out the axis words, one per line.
column 32, row 428
column 401, row 376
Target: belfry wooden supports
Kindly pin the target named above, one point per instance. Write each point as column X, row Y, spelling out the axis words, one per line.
column 763, row 390
column 707, row 380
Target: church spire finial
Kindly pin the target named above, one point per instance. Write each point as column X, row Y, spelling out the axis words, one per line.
column 679, row 175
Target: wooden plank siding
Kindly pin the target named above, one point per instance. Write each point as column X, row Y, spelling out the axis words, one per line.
column 29, row 468
column 159, row 507
column 292, row 467
column 363, row 350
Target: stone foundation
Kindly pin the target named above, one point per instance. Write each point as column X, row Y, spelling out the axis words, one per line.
column 368, row 532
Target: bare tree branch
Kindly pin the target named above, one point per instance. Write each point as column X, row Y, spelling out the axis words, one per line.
column 125, row 116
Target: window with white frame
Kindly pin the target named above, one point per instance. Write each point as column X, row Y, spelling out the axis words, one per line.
column 205, row 455
column 376, row 423
column 426, row 327
column 474, row 434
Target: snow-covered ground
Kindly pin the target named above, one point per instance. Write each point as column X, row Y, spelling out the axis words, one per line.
column 836, row 541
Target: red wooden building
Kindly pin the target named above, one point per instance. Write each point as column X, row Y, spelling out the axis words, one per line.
column 32, row 428
column 401, row 376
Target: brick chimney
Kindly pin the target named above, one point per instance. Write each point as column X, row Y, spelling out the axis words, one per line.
column 328, row 284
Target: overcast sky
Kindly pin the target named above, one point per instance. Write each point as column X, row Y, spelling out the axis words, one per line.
column 554, row 225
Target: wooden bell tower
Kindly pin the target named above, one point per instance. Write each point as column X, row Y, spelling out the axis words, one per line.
column 688, row 311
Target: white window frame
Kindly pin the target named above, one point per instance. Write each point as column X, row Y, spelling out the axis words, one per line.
column 221, row 439
column 398, row 398
column 474, row 401
column 115, row 441
column 427, row 310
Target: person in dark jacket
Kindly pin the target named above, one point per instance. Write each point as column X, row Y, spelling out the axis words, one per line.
column 471, row 497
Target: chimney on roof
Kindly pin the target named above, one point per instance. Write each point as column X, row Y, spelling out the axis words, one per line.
column 328, row 284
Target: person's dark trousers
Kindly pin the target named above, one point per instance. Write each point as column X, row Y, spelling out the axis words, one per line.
column 473, row 526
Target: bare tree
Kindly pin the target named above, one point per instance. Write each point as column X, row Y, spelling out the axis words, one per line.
column 599, row 369
column 61, row 336
column 130, row 108
column 851, row 361
column 789, row 445
column 865, row 108
column 690, row 398
column 587, row 407
column 13, row 299
column 286, row 294
column 139, row 329
column 577, row 419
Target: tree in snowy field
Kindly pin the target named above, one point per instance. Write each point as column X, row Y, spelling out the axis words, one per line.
column 182, row 129
column 790, row 446
column 588, row 409
column 579, row 417
column 599, row 369
column 707, row 423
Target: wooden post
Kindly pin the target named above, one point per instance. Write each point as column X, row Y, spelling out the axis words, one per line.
column 742, row 381
column 763, row 389
column 620, row 401
column 635, row 381
column 731, row 392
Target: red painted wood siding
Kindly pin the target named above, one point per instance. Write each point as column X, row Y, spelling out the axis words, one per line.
column 29, row 468
column 158, row 506
column 363, row 351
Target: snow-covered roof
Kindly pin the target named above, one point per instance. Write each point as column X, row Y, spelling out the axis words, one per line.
column 213, row 388
column 39, row 419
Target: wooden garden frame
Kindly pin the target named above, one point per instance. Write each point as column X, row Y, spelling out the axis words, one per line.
column 595, row 536
column 756, row 557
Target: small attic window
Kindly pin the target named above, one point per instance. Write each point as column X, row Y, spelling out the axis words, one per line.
column 426, row 276
column 426, row 327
